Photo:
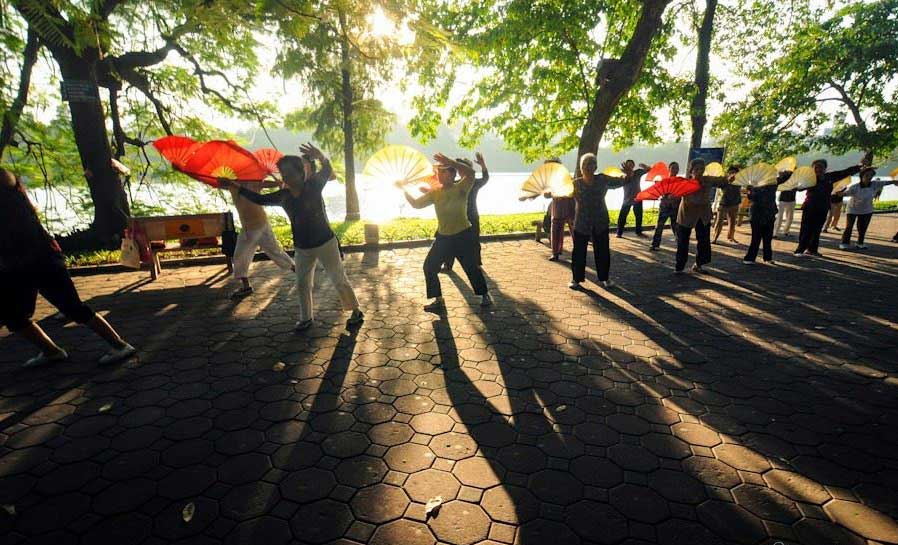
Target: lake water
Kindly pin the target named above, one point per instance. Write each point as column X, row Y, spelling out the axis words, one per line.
column 68, row 209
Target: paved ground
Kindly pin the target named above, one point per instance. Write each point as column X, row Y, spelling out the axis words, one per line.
column 754, row 405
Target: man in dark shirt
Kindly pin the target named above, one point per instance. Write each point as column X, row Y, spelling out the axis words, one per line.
column 632, row 176
column 816, row 205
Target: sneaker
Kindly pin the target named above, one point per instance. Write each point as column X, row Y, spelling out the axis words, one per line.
column 118, row 354
column 679, row 271
column 486, row 300
column 356, row 317
column 813, row 254
column 826, row 229
column 620, row 235
column 640, row 235
column 654, row 248
column 697, row 269
column 860, row 246
column 770, row 262
column 44, row 359
column 747, row 262
column 733, row 241
column 837, row 229
column 241, row 293
column 445, row 269
column 303, row 325
column 799, row 254
column 607, row 284
column 574, row 285
column 436, row 306
column 553, row 258
column 844, row 246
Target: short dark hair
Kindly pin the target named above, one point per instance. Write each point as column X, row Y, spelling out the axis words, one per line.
column 821, row 162
column 552, row 160
column 292, row 161
column 672, row 163
column 733, row 168
column 696, row 162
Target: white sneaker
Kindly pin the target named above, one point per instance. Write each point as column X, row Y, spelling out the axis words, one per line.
column 844, row 246
column 118, row 354
column 43, row 359
column 747, row 262
column 860, row 246
column 574, row 285
column 607, row 284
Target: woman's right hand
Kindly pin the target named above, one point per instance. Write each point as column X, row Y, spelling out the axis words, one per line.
column 226, row 183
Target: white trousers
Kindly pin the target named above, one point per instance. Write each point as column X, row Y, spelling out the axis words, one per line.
column 784, row 212
column 249, row 240
column 329, row 255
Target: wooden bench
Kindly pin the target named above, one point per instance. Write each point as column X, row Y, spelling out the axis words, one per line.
column 156, row 231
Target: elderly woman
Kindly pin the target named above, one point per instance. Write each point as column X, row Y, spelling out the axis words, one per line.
column 31, row 263
column 455, row 236
column 695, row 213
column 816, row 206
column 591, row 222
column 313, row 238
column 860, row 207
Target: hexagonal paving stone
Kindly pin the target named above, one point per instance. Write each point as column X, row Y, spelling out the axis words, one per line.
column 863, row 520
column 455, row 446
column 556, row 486
column 711, row 471
column 639, row 502
column 696, row 434
column 479, row 472
column 432, row 423
column 374, row 413
column 510, row 504
column 733, row 523
column 345, row 444
column 460, row 523
column 413, row 404
column 361, row 471
column 685, row 532
column 546, row 531
column 593, row 433
column 379, row 503
column 308, row 485
column 427, row 484
column 250, row 500
column 296, row 456
column 403, row 531
column 389, row 434
column 677, row 486
column 522, row 458
column 321, row 521
column 244, row 468
column 274, row 530
column 409, row 458
column 796, row 486
column 596, row 521
column 742, row 458
column 594, row 471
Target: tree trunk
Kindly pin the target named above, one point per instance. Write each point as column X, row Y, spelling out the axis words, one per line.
column 352, row 196
column 111, row 209
column 617, row 80
column 11, row 118
column 698, row 110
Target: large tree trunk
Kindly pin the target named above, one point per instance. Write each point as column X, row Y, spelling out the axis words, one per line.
column 352, row 196
column 698, row 110
column 111, row 209
column 11, row 118
column 615, row 80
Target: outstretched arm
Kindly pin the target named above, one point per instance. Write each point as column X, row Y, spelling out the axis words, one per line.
column 417, row 202
column 275, row 198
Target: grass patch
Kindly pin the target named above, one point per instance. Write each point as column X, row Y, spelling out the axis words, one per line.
column 354, row 233
column 885, row 205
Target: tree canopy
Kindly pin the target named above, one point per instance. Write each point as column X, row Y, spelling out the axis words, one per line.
column 830, row 85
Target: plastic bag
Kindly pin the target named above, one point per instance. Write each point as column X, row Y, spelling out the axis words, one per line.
column 130, row 253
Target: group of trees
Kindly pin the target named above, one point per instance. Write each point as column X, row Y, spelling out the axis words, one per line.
column 548, row 76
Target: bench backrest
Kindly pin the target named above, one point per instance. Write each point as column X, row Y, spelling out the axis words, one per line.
column 184, row 227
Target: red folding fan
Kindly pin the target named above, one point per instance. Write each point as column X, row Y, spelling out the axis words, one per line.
column 674, row 186
column 223, row 159
column 659, row 171
column 176, row 149
column 269, row 158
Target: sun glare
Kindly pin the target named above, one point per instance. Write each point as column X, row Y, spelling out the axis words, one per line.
column 380, row 24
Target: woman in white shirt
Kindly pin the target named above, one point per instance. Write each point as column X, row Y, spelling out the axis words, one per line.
column 860, row 207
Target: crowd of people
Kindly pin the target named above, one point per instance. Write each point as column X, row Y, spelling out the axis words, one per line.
column 32, row 263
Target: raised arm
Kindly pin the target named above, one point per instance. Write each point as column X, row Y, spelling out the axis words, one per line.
column 484, row 172
column 327, row 171
column 465, row 172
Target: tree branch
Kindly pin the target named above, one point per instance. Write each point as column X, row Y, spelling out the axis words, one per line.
column 11, row 118
column 852, row 106
column 139, row 81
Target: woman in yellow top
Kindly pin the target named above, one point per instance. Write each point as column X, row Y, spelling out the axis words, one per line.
column 455, row 237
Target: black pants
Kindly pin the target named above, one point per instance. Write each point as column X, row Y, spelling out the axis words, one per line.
column 475, row 225
column 19, row 289
column 863, row 221
column 624, row 212
column 462, row 246
column 702, row 241
column 601, row 250
column 664, row 214
column 761, row 232
column 812, row 222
